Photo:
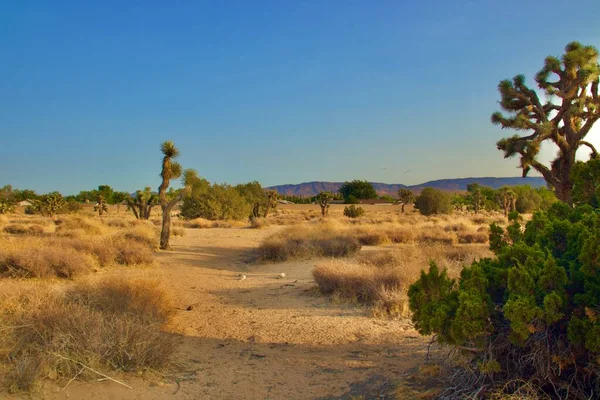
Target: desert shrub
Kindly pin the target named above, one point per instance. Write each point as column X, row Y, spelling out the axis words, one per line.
column 258, row 223
column 473, row 237
column 143, row 234
column 353, row 211
column 132, row 253
column 437, row 235
column 351, row 200
column 36, row 230
column 216, row 202
column 69, row 223
column 530, row 313
column 377, row 281
column 400, row 234
column 372, row 238
column 111, row 325
column 118, row 223
column 307, row 242
column 44, row 262
column 432, row 201
column 178, row 232
column 14, row 229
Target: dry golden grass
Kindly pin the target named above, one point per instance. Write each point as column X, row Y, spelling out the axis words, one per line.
column 306, row 241
column 201, row 223
column 52, row 334
column 380, row 278
column 33, row 248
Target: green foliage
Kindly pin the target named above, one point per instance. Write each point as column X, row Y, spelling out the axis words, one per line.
column 217, row 202
column 359, row 189
column 48, row 205
column 535, row 304
column 571, row 87
column 351, row 199
column 353, row 211
column 586, row 182
column 432, row 201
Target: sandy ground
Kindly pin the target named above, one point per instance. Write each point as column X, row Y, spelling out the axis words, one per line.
column 262, row 337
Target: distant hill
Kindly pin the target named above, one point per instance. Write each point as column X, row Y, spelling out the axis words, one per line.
column 452, row 185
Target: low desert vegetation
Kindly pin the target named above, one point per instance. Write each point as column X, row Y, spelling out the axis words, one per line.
column 72, row 246
column 84, row 331
column 380, row 279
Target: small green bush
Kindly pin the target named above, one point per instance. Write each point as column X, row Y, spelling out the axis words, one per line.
column 432, row 201
column 351, row 200
column 353, row 211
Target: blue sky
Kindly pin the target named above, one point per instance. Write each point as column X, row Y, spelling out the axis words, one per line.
column 274, row 91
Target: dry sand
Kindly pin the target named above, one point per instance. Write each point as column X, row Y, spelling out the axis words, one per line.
column 261, row 337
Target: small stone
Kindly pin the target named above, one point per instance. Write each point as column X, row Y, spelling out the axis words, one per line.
column 190, row 308
column 242, row 277
column 281, row 275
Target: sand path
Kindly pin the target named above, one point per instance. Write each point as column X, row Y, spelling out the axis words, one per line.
column 262, row 337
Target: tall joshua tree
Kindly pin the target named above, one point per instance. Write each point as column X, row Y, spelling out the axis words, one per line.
column 572, row 106
column 405, row 196
column 323, row 200
column 171, row 170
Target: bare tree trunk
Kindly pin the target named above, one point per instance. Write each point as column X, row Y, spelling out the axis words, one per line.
column 403, row 208
column 165, row 233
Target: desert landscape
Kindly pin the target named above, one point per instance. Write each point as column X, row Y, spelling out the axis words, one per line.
column 299, row 200
column 272, row 334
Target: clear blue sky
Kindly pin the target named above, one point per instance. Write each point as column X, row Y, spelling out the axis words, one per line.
column 274, row 91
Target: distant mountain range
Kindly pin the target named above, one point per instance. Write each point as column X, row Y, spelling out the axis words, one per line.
column 452, row 185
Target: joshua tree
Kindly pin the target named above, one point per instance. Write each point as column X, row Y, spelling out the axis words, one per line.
column 101, row 206
column 171, row 170
column 141, row 205
column 323, row 200
column 570, row 84
column 49, row 204
column 507, row 199
column 272, row 197
column 405, row 196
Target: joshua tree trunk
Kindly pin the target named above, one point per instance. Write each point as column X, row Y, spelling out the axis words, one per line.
column 403, row 208
column 165, row 233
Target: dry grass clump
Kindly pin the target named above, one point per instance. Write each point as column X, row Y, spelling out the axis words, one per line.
column 146, row 235
column 377, row 281
column 178, row 232
column 304, row 241
column 473, row 237
column 201, row 223
column 15, row 229
column 44, row 262
column 438, row 235
column 32, row 230
column 113, row 325
column 37, row 254
column 86, row 225
column 258, row 223
column 381, row 279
